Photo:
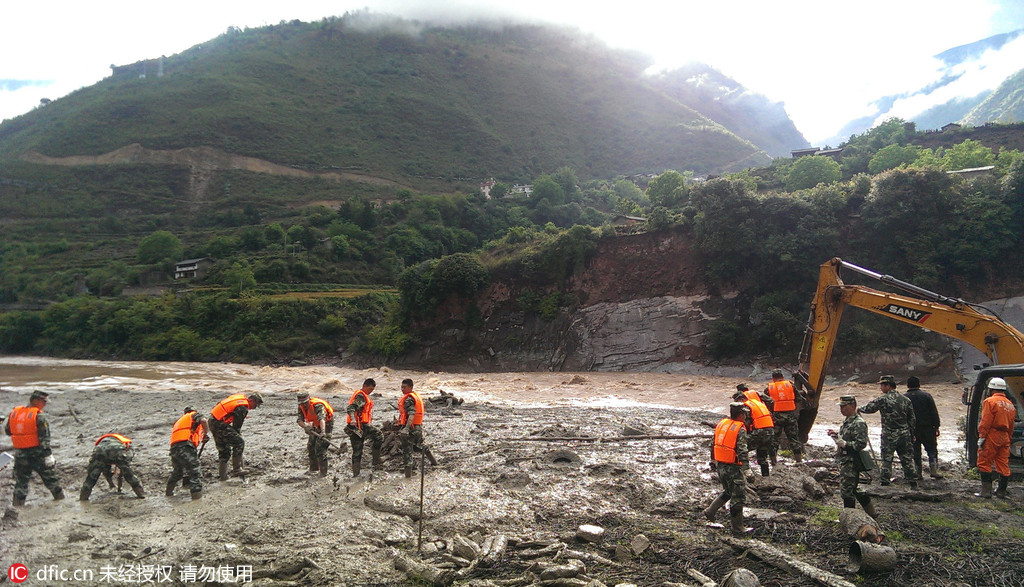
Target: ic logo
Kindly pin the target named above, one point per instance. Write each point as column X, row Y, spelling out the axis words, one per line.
column 17, row 573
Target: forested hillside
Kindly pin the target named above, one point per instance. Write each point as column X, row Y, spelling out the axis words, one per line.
column 331, row 206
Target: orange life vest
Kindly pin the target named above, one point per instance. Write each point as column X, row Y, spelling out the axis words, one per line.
column 403, row 417
column 182, row 431
column 127, row 442
column 726, row 433
column 22, row 422
column 224, row 411
column 783, row 394
column 759, row 413
column 310, row 413
column 366, row 416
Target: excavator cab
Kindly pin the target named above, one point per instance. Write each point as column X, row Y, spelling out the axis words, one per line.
column 974, row 395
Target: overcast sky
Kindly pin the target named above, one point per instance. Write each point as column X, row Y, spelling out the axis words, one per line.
column 825, row 60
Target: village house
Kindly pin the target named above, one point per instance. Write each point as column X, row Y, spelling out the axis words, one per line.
column 192, row 268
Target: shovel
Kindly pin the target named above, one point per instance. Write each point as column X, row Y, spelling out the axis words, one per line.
column 337, row 449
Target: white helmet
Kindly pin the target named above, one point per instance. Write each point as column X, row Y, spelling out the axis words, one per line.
column 997, row 383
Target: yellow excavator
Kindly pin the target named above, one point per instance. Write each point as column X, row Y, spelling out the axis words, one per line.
column 970, row 323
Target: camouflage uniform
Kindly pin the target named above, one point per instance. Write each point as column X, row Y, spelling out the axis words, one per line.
column 355, row 408
column 110, row 451
column 27, row 460
column 318, row 448
column 185, row 463
column 228, row 437
column 787, row 423
column 898, row 423
column 855, row 432
column 731, row 475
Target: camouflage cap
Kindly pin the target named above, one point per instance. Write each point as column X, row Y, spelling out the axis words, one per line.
column 845, row 400
column 302, row 397
column 738, row 396
column 190, row 409
column 256, row 398
column 888, row 379
column 37, row 394
column 742, row 387
column 776, row 372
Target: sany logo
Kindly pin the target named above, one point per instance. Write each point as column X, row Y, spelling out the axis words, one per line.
column 17, row 573
column 911, row 314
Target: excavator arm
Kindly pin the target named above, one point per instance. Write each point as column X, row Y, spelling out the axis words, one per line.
column 999, row 341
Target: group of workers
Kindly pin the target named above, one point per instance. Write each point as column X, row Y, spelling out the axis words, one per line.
column 909, row 422
column 30, row 434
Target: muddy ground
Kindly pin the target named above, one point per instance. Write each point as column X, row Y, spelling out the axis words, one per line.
column 502, row 471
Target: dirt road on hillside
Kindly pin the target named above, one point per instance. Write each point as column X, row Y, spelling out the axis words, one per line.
column 505, row 470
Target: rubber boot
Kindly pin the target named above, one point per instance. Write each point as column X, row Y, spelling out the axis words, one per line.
column 139, row 492
column 736, row 519
column 375, row 455
column 986, row 488
column 356, row 465
column 314, row 465
column 236, row 464
column 222, row 470
column 84, row 494
column 408, row 472
column 1001, row 491
column 170, row 488
column 185, row 482
column 197, row 495
column 798, row 456
column 865, row 502
column 322, row 466
column 764, row 469
column 430, row 456
column 58, row 495
column 775, row 458
column 716, row 505
column 18, row 502
column 933, row 468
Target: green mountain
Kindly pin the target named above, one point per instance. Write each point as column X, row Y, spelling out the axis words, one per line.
column 1005, row 104
column 397, row 101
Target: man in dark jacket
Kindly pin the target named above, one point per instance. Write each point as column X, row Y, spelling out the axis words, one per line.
column 927, row 429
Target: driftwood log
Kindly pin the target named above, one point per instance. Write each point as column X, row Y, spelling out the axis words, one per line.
column 704, row 580
column 287, row 572
column 911, row 494
column 422, row 572
column 860, row 526
column 609, row 438
column 785, row 561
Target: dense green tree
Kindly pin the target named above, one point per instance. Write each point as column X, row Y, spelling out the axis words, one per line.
column 545, row 188
column 566, row 178
column 968, row 154
column 238, row 279
column 808, row 172
column 159, row 247
column 668, row 190
column 893, row 156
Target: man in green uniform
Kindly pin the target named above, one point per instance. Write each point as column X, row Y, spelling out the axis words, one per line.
column 188, row 432
column 410, row 422
column 226, row 421
column 30, row 434
column 360, row 414
column 898, row 425
column 850, row 440
column 316, row 417
column 728, row 453
column 111, row 450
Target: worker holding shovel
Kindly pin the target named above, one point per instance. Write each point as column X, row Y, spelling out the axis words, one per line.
column 359, row 428
column 316, row 417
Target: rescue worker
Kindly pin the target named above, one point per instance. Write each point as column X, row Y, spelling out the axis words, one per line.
column 761, row 432
column 111, row 450
column 316, row 417
column 728, row 449
column 226, row 426
column 850, row 440
column 898, row 426
column 994, row 432
column 30, row 435
column 410, row 420
column 927, row 431
column 190, row 430
column 785, row 414
column 359, row 427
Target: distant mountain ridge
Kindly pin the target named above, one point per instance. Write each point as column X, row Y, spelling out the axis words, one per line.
column 413, row 101
column 964, row 109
